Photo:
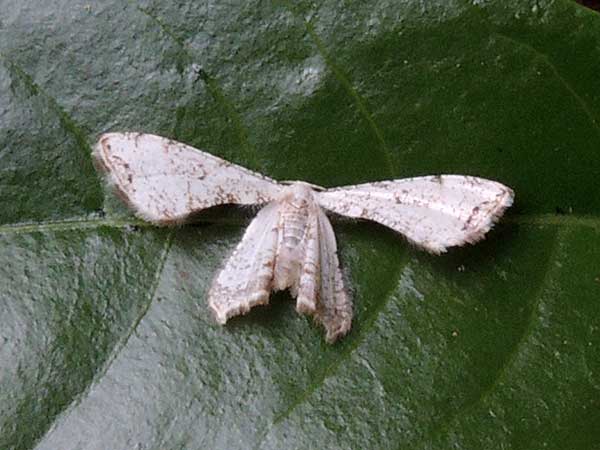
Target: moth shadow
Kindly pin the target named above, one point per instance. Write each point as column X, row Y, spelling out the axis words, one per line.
column 481, row 257
column 497, row 244
column 228, row 214
column 281, row 307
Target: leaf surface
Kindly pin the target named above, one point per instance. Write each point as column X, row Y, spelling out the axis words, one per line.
column 105, row 338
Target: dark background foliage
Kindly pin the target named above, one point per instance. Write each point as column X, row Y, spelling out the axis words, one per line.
column 593, row 4
column 105, row 340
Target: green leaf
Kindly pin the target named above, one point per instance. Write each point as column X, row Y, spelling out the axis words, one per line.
column 105, row 338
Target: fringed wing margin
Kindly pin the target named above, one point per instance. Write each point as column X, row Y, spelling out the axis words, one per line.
column 433, row 212
column 334, row 306
column 165, row 181
column 247, row 278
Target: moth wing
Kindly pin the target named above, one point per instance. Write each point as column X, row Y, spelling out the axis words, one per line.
column 334, row 308
column 433, row 212
column 310, row 277
column 246, row 280
column 165, row 181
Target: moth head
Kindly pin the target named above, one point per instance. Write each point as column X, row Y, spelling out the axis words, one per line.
column 299, row 194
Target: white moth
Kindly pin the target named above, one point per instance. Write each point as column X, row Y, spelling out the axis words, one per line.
column 290, row 243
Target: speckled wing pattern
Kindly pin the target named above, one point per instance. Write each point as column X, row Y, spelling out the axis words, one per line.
column 334, row 308
column 433, row 212
column 166, row 181
column 308, row 289
column 246, row 279
column 290, row 243
column 320, row 291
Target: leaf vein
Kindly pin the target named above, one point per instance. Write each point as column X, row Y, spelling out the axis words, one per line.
column 120, row 345
column 344, row 354
column 84, row 223
column 66, row 121
column 566, row 84
column 212, row 86
column 516, row 351
column 356, row 97
column 70, row 224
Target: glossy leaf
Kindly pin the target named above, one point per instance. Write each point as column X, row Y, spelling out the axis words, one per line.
column 105, row 338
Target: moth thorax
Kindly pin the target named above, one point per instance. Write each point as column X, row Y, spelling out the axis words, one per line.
column 295, row 210
column 293, row 226
column 296, row 206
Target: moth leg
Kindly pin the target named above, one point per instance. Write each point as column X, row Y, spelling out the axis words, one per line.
column 334, row 308
column 310, row 280
column 247, row 278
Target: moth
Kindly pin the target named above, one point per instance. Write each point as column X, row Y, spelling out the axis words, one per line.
column 290, row 244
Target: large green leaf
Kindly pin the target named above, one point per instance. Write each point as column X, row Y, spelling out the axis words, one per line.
column 105, row 339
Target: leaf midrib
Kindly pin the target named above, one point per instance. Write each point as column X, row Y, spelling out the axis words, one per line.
column 444, row 426
column 80, row 223
column 83, row 223
column 121, row 343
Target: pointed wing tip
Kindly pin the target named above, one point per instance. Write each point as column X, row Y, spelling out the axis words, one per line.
column 488, row 219
column 114, row 186
column 98, row 156
column 103, row 144
column 103, row 168
column 100, row 161
column 491, row 217
column 476, row 227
